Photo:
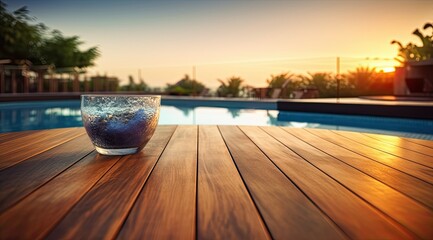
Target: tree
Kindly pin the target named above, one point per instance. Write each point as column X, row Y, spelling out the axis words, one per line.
column 321, row 81
column 64, row 52
column 186, row 87
column 142, row 86
column 286, row 82
column 361, row 80
column 280, row 80
column 22, row 40
column 19, row 39
column 346, row 89
column 132, row 86
column 413, row 52
column 366, row 81
column 231, row 88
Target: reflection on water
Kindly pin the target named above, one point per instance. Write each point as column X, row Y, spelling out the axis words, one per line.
column 414, row 128
column 59, row 114
column 234, row 112
column 219, row 116
column 39, row 118
column 185, row 110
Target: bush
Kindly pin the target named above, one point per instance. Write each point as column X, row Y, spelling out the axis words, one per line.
column 185, row 87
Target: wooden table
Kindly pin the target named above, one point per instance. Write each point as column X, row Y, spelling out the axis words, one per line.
column 217, row 182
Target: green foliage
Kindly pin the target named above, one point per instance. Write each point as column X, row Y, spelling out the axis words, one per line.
column 279, row 81
column 132, row 86
column 345, row 88
column 361, row 79
column 321, row 81
column 20, row 39
column 361, row 82
column 64, row 52
column 367, row 81
column 231, row 88
column 185, row 87
column 287, row 82
column 413, row 52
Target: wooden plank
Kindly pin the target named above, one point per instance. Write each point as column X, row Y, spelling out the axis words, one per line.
column 108, row 203
column 421, row 146
column 399, row 139
column 427, row 143
column 35, row 215
column 412, row 187
column 408, row 167
column 225, row 209
column 29, row 146
column 5, row 137
column 388, row 148
column 166, row 207
column 286, row 211
column 9, row 136
column 30, row 136
column 398, row 206
column 25, row 177
column 365, row 222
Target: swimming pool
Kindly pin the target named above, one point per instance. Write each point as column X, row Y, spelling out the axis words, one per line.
column 20, row 116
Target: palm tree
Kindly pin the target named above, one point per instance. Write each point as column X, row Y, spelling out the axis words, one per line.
column 284, row 82
column 361, row 79
column 321, row 81
column 280, row 80
column 414, row 52
column 19, row 39
column 232, row 88
column 64, row 52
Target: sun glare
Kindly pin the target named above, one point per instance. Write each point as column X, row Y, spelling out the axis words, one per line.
column 387, row 69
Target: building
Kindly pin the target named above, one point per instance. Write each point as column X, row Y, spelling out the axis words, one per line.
column 415, row 78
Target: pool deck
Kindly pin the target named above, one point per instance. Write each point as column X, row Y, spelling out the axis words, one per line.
column 217, row 182
column 347, row 106
column 360, row 106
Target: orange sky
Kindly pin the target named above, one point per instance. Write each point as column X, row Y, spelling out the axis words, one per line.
column 251, row 39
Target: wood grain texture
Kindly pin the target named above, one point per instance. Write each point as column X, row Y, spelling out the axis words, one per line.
column 225, row 209
column 25, row 177
column 20, row 139
column 416, row 170
column 365, row 222
column 427, row 143
column 34, row 144
column 286, row 211
column 388, row 148
column 6, row 137
column 166, row 207
column 11, row 137
column 35, row 215
column 421, row 146
column 403, row 209
column 107, row 204
column 210, row 182
column 413, row 187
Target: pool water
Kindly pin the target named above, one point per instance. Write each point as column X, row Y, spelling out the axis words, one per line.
column 22, row 116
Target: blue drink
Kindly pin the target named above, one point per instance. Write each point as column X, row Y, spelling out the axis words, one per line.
column 119, row 124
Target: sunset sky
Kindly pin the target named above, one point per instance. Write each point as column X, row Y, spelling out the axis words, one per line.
column 251, row 39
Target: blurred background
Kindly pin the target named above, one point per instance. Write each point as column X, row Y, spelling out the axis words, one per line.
column 305, row 49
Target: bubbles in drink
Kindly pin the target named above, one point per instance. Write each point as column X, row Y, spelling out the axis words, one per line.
column 120, row 122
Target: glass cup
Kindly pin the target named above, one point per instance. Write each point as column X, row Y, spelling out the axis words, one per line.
column 120, row 124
